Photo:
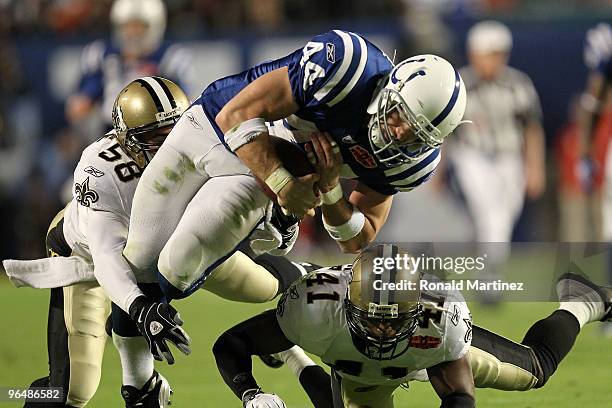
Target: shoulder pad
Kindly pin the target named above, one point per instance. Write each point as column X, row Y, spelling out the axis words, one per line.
column 101, row 176
column 311, row 311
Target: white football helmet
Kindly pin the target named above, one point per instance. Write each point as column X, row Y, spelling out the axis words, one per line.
column 150, row 12
column 429, row 95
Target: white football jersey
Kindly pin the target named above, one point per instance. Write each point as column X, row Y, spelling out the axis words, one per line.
column 311, row 315
column 105, row 179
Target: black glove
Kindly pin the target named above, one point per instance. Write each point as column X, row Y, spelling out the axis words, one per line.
column 158, row 322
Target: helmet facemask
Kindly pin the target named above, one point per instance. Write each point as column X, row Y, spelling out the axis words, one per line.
column 384, row 145
column 143, row 113
column 382, row 328
column 142, row 151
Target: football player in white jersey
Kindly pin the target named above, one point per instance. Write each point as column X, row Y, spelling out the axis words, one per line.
column 385, row 122
column 376, row 340
column 85, row 243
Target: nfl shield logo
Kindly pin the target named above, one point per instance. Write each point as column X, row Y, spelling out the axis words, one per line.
column 363, row 157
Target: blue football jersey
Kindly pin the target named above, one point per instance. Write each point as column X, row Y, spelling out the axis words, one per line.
column 104, row 72
column 333, row 79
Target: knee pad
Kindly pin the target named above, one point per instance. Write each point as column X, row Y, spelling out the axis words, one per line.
column 182, row 260
column 490, row 372
column 240, row 279
column 86, row 309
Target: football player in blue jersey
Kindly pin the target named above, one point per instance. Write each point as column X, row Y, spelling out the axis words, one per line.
column 199, row 196
column 137, row 50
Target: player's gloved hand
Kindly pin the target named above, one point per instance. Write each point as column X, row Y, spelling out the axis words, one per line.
column 298, row 196
column 159, row 322
column 288, row 225
column 279, row 232
column 324, row 154
column 257, row 399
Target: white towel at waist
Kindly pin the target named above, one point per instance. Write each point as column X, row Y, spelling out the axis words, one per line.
column 49, row 272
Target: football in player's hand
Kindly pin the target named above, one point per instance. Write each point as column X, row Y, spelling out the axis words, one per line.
column 293, row 158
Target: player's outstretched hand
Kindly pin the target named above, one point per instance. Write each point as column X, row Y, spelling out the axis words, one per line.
column 259, row 399
column 158, row 323
column 298, row 196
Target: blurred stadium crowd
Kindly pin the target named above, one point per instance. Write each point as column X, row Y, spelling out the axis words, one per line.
column 40, row 145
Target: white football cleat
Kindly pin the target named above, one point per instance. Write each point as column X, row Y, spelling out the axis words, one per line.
column 572, row 287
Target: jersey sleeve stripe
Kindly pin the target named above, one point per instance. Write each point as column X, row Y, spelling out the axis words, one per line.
column 344, row 66
column 400, row 169
column 417, row 168
column 414, row 184
column 415, row 176
column 360, row 68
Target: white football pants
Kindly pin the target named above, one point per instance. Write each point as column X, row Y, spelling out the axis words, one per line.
column 494, row 191
column 195, row 202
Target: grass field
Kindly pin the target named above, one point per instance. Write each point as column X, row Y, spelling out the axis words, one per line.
column 583, row 378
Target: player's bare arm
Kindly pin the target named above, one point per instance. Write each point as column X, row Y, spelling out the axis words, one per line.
column 453, row 382
column 269, row 98
column 337, row 210
column 234, row 349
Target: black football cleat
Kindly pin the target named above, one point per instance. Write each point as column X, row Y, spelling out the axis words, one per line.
column 155, row 393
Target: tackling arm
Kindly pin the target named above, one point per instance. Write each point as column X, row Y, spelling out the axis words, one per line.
column 233, row 350
column 453, row 382
column 354, row 222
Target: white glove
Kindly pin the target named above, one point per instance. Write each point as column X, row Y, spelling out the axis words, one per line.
column 278, row 234
column 266, row 237
column 259, row 399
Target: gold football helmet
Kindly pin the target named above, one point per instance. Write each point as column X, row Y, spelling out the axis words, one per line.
column 383, row 301
column 141, row 108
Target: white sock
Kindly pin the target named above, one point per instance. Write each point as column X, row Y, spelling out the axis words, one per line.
column 136, row 359
column 296, row 359
column 585, row 312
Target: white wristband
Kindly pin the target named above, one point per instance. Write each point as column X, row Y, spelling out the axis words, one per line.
column 278, row 179
column 245, row 133
column 332, row 196
column 349, row 229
